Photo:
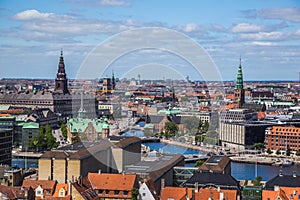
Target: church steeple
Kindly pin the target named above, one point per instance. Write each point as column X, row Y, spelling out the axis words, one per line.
column 239, row 79
column 61, row 82
column 239, row 93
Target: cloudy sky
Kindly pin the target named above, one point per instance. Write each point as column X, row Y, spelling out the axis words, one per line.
column 266, row 34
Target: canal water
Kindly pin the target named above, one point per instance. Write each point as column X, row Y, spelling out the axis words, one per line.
column 240, row 171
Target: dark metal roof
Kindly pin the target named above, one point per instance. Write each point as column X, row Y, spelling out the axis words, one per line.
column 284, row 180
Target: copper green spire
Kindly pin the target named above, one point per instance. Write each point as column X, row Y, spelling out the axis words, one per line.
column 239, row 80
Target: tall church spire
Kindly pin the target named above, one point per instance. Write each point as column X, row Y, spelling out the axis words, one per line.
column 239, row 93
column 239, row 79
column 61, row 82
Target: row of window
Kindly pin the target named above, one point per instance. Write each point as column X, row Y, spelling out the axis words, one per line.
column 116, row 192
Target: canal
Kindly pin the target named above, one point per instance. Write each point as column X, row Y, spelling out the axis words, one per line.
column 240, row 171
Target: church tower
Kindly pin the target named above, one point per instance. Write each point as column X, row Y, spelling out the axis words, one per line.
column 239, row 92
column 61, row 82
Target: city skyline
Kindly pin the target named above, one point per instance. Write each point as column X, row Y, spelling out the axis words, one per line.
column 265, row 34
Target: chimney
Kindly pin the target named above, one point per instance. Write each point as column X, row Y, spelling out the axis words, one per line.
column 80, row 180
column 218, row 189
column 162, row 183
column 294, row 174
column 196, row 186
column 187, row 193
column 280, row 173
column 221, row 195
column 69, row 187
column 99, row 171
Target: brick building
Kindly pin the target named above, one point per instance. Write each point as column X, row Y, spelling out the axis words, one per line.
column 282, row 138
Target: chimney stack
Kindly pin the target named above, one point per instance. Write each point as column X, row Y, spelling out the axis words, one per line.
column 162, row 184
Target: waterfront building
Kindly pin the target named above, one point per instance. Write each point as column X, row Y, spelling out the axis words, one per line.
column 6, row 142
column 242, row 135
column 70, row 162
column 216, row 164
column 282, row 138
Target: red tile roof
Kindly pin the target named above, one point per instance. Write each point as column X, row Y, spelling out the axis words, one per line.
column 112, row 181
column 177, row 193
column 45, row 184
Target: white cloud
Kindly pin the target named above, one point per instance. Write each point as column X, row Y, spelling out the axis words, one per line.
column 190, row 27
column 247, row 28
column 263, row 43
column 290, row 14
column 113, row 3
column 32, row 15
column 263, row 36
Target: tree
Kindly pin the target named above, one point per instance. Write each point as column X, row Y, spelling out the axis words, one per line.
column 191, row 124
column 277, row 152
column 64, row 131
column 258, row 146
column 269, row 151
column 199, row 163
column 135, row 194
column 298, row 152
column 44, row 140
column 288, row 151
column 257, row 181
column 171, row 129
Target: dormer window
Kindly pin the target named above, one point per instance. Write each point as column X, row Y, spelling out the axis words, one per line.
column 48, row 191
column 116, row 192
column 125, row 192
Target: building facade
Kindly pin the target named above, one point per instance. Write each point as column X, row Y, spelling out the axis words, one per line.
column 6, row 142
column 282, row 138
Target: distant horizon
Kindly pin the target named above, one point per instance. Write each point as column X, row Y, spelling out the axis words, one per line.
column 72, row 79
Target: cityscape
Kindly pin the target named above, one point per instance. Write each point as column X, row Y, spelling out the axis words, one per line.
column 141, row 100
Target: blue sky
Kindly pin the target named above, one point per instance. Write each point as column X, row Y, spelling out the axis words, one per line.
column 266, row 34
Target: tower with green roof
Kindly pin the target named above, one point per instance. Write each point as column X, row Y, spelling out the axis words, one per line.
column 239, row 92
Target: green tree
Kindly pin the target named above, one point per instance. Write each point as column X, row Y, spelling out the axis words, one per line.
column 288, row 151
column 44, row 140
column 171, row 129
column 199, row 163
column 75, row 137
column 191, row 124
column 298, row 152
column 269, row 151
column 258, row 146
column 246, row 182
column 64, row 131
column 135, row 194
column 277, row 152
column 257, row 181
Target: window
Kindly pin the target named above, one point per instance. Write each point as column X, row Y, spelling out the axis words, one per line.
column 125, row 192
column 48, row 191
column 100, row 191
column 116, row 192
column 106, row 192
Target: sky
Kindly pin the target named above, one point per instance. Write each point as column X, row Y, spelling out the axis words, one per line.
column 265, row 34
